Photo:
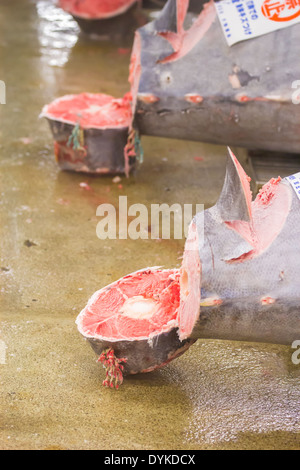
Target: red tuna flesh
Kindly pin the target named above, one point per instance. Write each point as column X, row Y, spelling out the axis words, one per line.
column 138, row 317
column 96, row 9
column 91, row 111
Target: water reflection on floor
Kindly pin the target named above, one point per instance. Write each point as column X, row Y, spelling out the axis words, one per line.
column 57, row 32
column 218, row 395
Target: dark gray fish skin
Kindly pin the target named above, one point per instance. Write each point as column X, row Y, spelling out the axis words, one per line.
column 247, row 321
column 257, row 111
column 104, row 147
column 144, row 356
column 275, row 275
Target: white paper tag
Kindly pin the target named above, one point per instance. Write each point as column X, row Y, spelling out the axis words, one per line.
column 247, row 19
column 295, row 182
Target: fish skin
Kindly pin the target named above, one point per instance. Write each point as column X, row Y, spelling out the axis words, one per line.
column 143, row 356
column 246, row 90
column 260, row 296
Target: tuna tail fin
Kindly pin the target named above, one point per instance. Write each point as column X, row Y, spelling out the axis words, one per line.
column 236, row 197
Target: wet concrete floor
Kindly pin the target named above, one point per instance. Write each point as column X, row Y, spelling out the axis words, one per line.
column 219, row 395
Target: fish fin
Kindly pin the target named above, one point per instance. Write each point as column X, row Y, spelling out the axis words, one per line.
column 235, row 202
column 167, row 20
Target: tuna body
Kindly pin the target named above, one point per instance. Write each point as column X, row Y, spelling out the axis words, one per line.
column 239, row 281
column 189, row 84
column 250, row 266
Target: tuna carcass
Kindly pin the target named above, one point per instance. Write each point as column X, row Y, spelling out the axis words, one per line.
column 239, row 280
column 189, row 84
column 249, row 258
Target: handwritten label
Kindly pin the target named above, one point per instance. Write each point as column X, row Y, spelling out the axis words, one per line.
column 295, row 182
column 247, row 19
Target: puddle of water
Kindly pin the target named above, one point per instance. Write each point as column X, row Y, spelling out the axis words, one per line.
column 237, row 389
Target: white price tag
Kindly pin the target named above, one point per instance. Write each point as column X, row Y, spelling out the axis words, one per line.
column 295, row 182
column 247, row 19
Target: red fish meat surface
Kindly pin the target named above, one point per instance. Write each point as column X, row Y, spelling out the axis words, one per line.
column 91, row 110
column 96, row 9
column 137, row 315
column 137, row 307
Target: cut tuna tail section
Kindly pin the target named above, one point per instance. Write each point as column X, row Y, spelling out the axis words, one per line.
column 137, row 318
column 240, row 268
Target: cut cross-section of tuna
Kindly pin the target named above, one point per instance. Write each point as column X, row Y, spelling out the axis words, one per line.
column 91, row 132
column 137, row 317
